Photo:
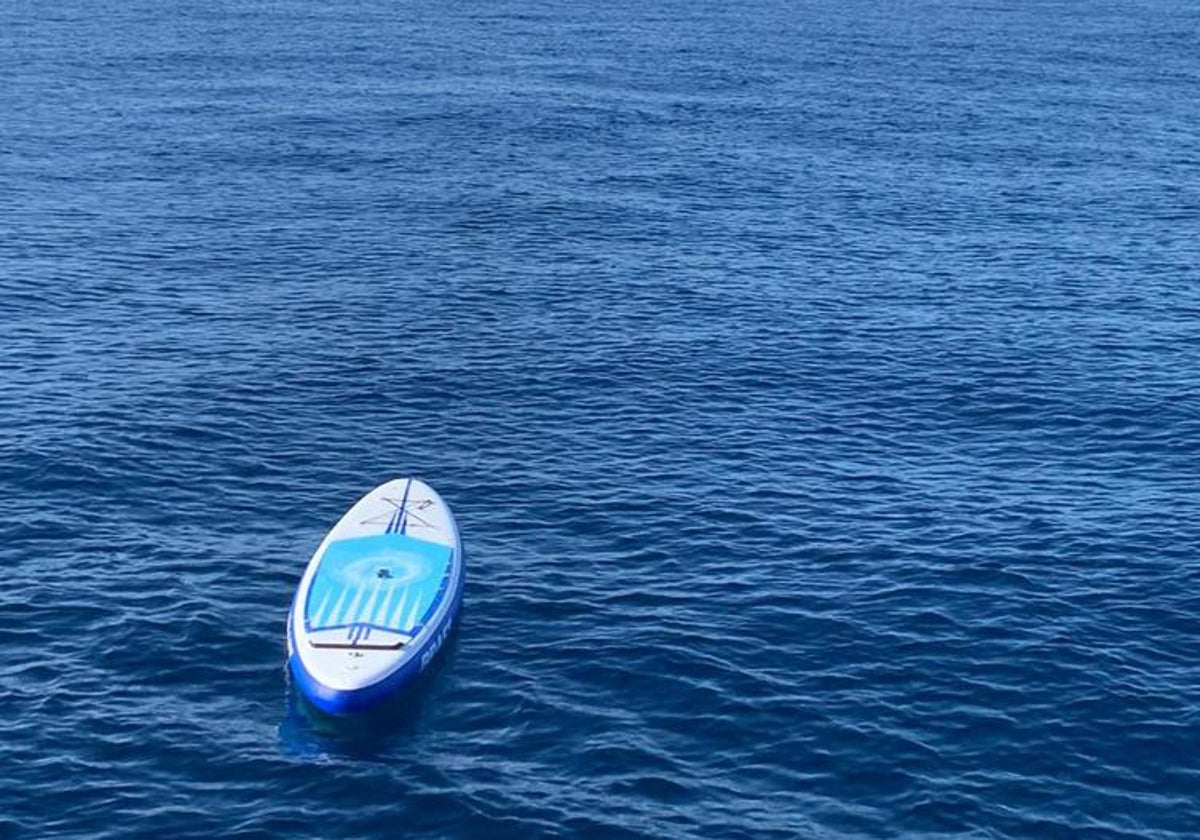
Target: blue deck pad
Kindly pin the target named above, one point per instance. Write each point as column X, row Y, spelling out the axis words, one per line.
column 389, row 581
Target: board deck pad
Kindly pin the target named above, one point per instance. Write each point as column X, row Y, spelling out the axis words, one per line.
column 374, row 591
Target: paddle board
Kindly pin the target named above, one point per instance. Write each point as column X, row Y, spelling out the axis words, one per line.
column 377, row 599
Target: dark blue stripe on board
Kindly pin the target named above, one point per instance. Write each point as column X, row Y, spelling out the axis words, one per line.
column 403, row 502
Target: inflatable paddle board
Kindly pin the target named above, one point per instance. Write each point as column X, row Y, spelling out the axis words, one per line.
column 377, row 599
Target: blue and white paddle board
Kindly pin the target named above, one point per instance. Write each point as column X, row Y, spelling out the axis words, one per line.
column 378, row 598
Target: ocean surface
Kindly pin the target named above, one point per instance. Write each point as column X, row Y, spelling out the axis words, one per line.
column 816, row 384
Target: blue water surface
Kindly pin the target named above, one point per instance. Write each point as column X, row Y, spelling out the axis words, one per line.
column 816, row 384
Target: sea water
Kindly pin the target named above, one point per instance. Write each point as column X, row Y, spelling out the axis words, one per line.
column 815, row 383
